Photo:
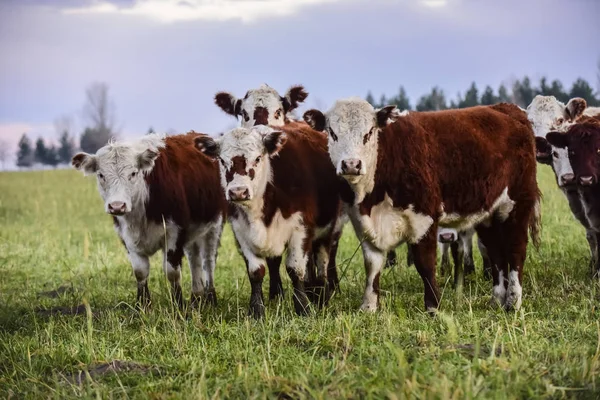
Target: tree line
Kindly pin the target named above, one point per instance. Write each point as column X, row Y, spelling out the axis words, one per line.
column 521, row 92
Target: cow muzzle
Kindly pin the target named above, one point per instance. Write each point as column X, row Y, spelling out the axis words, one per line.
column 587, row 180
column 117, row 208
column 238, row 193
column 567, row 180
column 351, row 166
column 446, row 237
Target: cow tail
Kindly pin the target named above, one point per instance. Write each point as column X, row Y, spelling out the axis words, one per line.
column 535, row 222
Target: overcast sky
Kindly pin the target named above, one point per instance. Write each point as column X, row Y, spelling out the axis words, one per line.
column 165, row 59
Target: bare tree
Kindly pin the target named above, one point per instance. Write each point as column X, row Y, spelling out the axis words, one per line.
column 63, row 124
column 99, row 112
column 4, row 152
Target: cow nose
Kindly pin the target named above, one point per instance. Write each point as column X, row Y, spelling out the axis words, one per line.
column 567, row 179
column 586, row 180
column 351, row 166
column 116, row 208
column 239, row 193
column 446, row 237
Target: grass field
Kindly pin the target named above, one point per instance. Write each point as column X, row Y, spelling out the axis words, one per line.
column 53, row 234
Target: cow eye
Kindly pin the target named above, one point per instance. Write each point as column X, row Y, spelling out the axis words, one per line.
column 571, row 152
column 222, row 161
column 133, row 174
column 257, row 159
column 555, row 154
column 100, row 175
column 598, row 151
column 333, row 135
column 245, row 115
column 278, row 114
column 560, row 121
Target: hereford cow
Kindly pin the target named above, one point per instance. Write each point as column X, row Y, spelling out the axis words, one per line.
column 548, row 114
column 283, row 193
column 162, row 195
column 463, row 169
column 581, row 142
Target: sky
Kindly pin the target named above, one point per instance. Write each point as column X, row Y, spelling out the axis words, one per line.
column 165, row 59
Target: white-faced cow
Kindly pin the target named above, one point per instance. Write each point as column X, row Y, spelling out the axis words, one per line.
column 283, row 193
column 162, row 195
column 463, row 169
column 581, row 141
column 548, row 114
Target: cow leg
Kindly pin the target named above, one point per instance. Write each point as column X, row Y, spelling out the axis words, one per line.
column 333, row 281
column 596, row 258
column 141, row 269
column 491, row 238
column 458, row 257
column 425, row 262
column 410, row 259
column 487, row 263
column 391, row 259
column 592, row 238
column 374, row 260
column 516, row 253
column 209, row 250
column 321, row 250
column 172, row 267
column 275, row 284
column 467, row 245
column 299, row 251
column 192, row 253
column 445, row 267
column 256, row 274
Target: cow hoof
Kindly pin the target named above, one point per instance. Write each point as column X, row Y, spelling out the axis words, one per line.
column 256, row 311
column 498, row 295
column 368, row 307
column 432, row 311
column 514, row 294
column 276, row 294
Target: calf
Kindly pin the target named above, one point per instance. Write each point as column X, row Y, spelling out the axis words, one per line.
column 460, row 244
column 582, row 143
column 463, row 169
column 162, row 195
column 283, row 193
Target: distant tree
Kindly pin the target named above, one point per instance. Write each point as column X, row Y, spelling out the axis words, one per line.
column 401, row 100
column 41, row 152
column 382, row 101
column 434, row 101
column 581, row 88
column 471, row 98
column 503, row 96
column 370, row 98
column 598, row 79
column 100, row 113
column 52, row 156
column 150, row 131
column 66, row 148
column 523, row 92
column 4, row 152
column 488, row 97
column 25, row 152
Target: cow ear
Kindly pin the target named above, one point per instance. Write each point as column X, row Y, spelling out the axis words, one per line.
column 207, row 145
column 294, row 96
column 85, row 162
column 145, row 160
column 315, row 119
column 385, row 115
column 274, row 142
column 575, row 108
column 228, row 103
column 558, row 139
column 543, row 150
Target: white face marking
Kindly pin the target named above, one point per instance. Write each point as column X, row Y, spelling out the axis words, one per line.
column 561, row 164
column 353, row 132
column 501, row 207
column 120, row 175
column 514, row 295
column 387, row 226
column 244, row 160
column 260, row 103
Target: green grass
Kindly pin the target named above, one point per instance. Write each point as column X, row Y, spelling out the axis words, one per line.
column 53, row 232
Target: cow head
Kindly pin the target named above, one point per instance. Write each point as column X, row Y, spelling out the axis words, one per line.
column 262, row 106
column 244, row 156
column 120, row 168
column 558, row 159
column 583, row 144
column 353, row 126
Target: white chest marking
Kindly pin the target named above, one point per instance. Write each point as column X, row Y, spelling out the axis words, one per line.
column 501, row 208
column 266, row 241
column 146, row 237
column 387, row 226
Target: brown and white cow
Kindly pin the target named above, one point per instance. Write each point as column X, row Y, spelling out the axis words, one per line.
column 283, row 193
column 548, row 114
column 408, row 175
column 581, row 141
column 162, row 195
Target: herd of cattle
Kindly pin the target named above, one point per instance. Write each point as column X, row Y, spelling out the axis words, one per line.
column 427, row 179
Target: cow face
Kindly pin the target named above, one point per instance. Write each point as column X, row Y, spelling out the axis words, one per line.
column 244, row 156
column 548, row 114
column 558, row 159
column 262, row 106
column 352, row 126
column 120, row 168
column 583, row 144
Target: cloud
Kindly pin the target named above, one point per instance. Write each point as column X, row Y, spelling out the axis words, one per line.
column 434, row 3
column 190, row 10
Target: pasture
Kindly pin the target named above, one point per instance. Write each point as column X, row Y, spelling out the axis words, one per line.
column 55, row 235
